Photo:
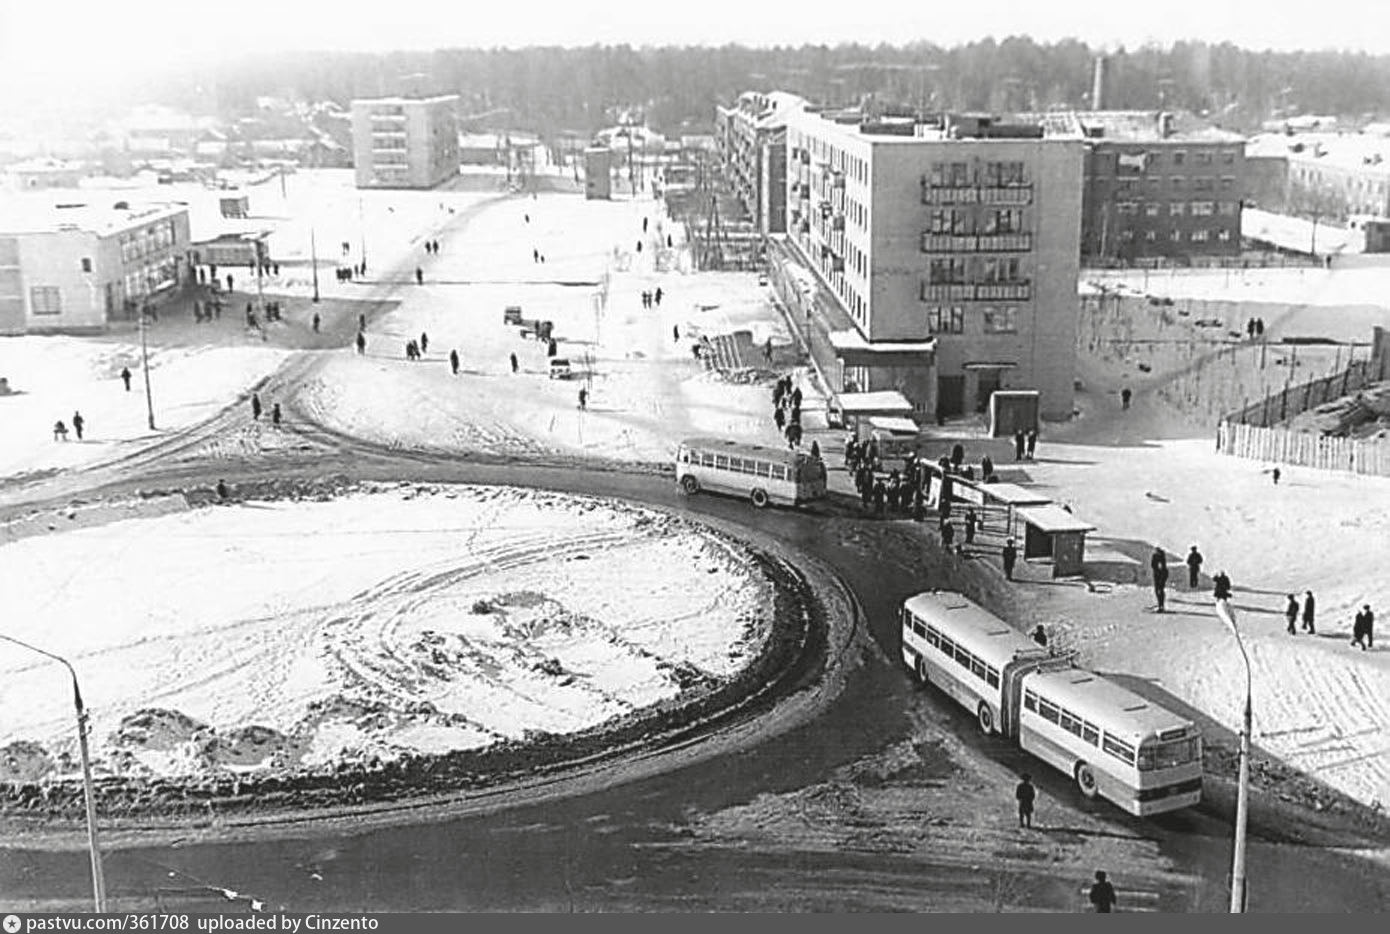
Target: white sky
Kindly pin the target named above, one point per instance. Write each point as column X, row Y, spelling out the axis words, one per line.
column 46, row 44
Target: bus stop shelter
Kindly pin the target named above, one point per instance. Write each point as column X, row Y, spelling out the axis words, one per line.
column 1006, row 498
column 1049, row 531
column 847, row 407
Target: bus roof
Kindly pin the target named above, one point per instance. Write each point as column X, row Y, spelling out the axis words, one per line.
column 746, row 449
column 1118, row 711
column 972, row 626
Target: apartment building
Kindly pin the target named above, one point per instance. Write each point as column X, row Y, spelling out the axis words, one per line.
column 952, row 250
column 751, row 139
column 405, row 142
column 1157, row 185
column 77, row 265
column 1330, row 176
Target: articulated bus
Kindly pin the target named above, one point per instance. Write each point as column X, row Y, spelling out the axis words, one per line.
column 1112, row 742
column 764, row 475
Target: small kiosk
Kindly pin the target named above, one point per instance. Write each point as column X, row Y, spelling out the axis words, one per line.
column 1049, row 531
column 847, row 407
column 1006, row 498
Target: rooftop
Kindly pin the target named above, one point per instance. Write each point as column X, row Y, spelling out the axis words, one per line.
column 436, row 99
column 1352, row 151
column 79, row 210
column 1133, row 126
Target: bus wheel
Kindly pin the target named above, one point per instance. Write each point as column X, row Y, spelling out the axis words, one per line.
column 985, row 717
column 1086, row 781
column 922, row 671
column 760, row 498
column 690, row 484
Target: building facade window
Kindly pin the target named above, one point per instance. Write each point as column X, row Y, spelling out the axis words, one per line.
column 46, row 300
column 997, row 320
column 1199, row 236
column 86, row 264
column 946, row 319
column 1224, row 236
column 1203, row 208
column 1176, row 208
column 947, row 271
column 1151, row 209
column 1179, row 157
column 1176, row 182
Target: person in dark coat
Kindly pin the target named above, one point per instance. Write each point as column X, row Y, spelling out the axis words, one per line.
column 1019, row 443
column 361, row 343
column 419, row 276
column 424, row 342
column 1194, row 567
column 1291, row 614
column 780, row 417
column 255, row 407
column 1040, row 636
column 1010, row 557
column 454, row 361
column 583, row 398
column 275, row 415
column 986, row 467
column 948, row 533
column 970, row 520
column 1103, row 894
column 957, row 456
column 1032, row 442
column 77, row 422
column 1125, row 396
column 1361, row 628
column 1025, row 794
column 317, row 322
column 1158, row 563
column 1309, row 606
column 514, row 363
column 222, row 492
column 880, row 495
column 1221, row 589
column 125, row 377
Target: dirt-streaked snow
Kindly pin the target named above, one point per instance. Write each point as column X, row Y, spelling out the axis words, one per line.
column 401, row 618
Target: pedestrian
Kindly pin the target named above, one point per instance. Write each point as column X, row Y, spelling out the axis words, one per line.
column 1040, row 636
column 1032, row 442
column 796, row 398
column 1221, row 586
column 1291, row 614
column 275, row 415
column 1010, row 556
column 1275, row 474
column 644, row 225
column 410, row 350
column 815, row 450
column 229, row 282
column 535, row 255
column 1194, row 567
column 255, row 407
column 675, row 333
column 767, row 351
column 1025, row 794
column 880, row 497
column 1125, row 396
column 583, row 398
column 361, row 343
column 970, row 520
column 125, row 377
column 222, row 491
column 317, row 322
column 657, row 296
column 361, row 322
column 454, row 361
column 1360, row 628
column 1309, row 608
column 1158, row 563
column 1103, row 894
column 986, row 467
column 424, row 342
column 1019, row 443
column 60, row 431
column 514, row 363
column 948, row 533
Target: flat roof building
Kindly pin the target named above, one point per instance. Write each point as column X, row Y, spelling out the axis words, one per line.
column 1330, row 176
column 751, row 137
column 951, row 250
column 405, row 142
column 79, row 263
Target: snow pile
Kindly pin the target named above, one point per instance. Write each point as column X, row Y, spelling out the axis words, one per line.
column 281, row 635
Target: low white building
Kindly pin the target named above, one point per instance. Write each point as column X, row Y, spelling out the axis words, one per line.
column 83, row 261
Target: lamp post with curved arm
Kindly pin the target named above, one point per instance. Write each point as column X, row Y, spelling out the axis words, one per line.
column 1223, row 610
column 98, row 878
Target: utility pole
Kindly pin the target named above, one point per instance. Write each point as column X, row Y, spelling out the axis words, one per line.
column 363, row 225
column 260, row 292
column 145, row 365
column 314, row 261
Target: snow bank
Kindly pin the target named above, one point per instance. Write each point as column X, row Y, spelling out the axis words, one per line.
column 276, row 634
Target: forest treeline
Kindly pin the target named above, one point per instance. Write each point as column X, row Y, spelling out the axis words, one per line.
column 676, row 88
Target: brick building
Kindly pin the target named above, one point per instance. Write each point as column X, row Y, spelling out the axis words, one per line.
column 405, row 142
column 751, row 138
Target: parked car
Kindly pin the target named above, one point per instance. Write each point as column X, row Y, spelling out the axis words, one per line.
column 560, row 368
column 511, row 314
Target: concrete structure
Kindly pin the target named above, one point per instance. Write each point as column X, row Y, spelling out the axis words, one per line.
column 78, row 265
column 951, row 252
column 404, row 142
column 598, row 173
column 38, row 174
column 1328, row 176
column 751, row 138
column 1157, row 185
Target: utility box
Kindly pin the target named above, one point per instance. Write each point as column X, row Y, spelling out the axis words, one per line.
column 1013, row 410
column 598, row 177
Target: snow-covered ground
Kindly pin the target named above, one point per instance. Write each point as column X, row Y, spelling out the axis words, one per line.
column 54, row 377
column 391, row 619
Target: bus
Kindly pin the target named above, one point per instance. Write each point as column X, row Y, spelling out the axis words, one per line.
column 1113, row 743
column 764, row 475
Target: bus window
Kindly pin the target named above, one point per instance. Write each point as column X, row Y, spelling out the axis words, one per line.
column 918, row 628
column 764, row 469
column 948, row 647
column 977, row 668
column 1090, row 732
column 992, row 676
column 706, row 459
column 962, row 657
column 1069, row 721
column 934, row 636
column 1048, row 710
column 1122, row 751
column 1168, row 755
column 1030, row 701
column 721, row 462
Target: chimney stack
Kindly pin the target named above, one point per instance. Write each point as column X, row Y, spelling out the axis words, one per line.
column 1098, row 84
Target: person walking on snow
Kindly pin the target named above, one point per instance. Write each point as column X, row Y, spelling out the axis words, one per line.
column 1125, row 396
column 419, row 276
column 275, row 415
column 1194, row 567
column 255, row 407
column 424, row 342
column 361, row 343
column 60, row 431
column 1309, row 607
column 514, row 363
column 1040, row 636
column 1103, row 894
column 77, row 423
column 1360, row 628
column 317, row 321
column 583, row 399
column 675, row 332
column 1159, row 564
column 125, row 377
column 1291, row 614
column 1025, row 794
column 1010, row 556
column 1221, row 586
column 454, row 361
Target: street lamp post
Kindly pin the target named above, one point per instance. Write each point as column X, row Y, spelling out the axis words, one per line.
column 314, row 261
column 145, row 366
column 1238, row 888
column 98, row 877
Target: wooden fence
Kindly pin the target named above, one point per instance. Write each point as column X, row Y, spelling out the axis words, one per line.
column 1278, row 408
column 1304, row 449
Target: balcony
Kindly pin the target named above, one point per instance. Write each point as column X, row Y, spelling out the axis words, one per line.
column 993, row 243
column 975, row 194
column 977, row 292
column 837, row 179
column 837, row 222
